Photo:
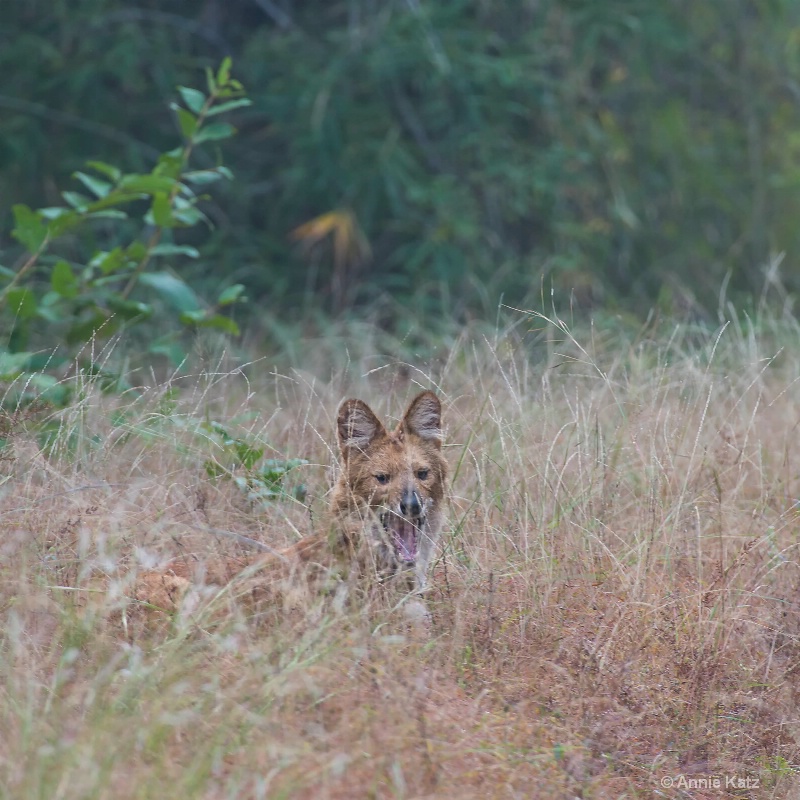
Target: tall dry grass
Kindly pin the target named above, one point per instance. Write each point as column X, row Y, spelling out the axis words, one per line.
column 615, row 603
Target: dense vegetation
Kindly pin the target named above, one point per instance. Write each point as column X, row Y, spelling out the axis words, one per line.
column 61, row 309
column 613, row 607
column 624, row 152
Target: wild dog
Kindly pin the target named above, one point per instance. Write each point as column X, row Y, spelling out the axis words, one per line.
column 391, row 488
column 386, row 507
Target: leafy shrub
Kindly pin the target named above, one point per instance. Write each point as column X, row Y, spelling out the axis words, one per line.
column 69, row 290
column 263, row 480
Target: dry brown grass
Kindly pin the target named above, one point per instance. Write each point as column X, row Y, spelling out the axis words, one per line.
column 615, row 603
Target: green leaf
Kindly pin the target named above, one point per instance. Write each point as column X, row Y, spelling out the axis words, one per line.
column 242, row 102
column 80, row 202
column 273, row 470
column 63, row 280
column 50, row 308
column 169, row 347
column 105, row 169
column 190, row 215
column 231, row 295
column 214, row 470
column 162, row 211
column 187, row 213
column 46, row 360
column 194, row 99
column 108, row 262
column 148, row 184
column 247, row 455
column 41, row 381
column 193, row 317
column 29, row 230
column 221, row 323
column 175, row 250
column 49, row 299
column 97, row 187
column 136, row 251
column 21, row 302
column 62, row 222
column 232, row 89
column 172, row 290
column 185, row 196
column 49, row 389
column 105, row 280
column 54, row 212
column 109, row 213
column 96, row 323
column 203, row 320
column 215, row 427
column 115, row 198
column 205, row 176
column 186, row 120
column 224, row 71
column 170, row 164
column 129, row 309
column 214, row 132
column 11, row 364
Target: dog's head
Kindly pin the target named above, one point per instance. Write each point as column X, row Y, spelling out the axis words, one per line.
column 400, row 474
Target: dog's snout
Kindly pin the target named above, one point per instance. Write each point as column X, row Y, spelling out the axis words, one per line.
column 410, row 504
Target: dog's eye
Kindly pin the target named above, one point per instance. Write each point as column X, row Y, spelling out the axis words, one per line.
column 382, row 478
column 422, row 474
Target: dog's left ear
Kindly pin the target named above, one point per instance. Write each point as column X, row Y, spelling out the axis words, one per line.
column 423, row 418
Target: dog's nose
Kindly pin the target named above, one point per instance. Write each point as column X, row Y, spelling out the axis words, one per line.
column 410, row 505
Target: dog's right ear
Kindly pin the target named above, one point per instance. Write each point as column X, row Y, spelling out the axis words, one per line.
column 357, row 426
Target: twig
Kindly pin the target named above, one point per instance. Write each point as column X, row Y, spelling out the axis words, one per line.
column 28, row 265
column 247, row 542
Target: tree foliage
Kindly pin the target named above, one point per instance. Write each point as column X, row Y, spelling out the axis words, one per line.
column 440, row 152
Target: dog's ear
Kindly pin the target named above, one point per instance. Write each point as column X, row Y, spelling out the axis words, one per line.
column 358, row 426
column 423, row 418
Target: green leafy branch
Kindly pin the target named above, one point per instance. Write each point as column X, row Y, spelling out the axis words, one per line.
column 264, row 481
column 78, row 302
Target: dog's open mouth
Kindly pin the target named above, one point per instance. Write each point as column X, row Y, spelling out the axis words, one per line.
column 405, row 535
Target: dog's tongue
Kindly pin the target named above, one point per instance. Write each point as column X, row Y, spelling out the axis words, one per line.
column 405, row 539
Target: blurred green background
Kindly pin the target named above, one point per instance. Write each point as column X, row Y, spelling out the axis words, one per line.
column 627, row 154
